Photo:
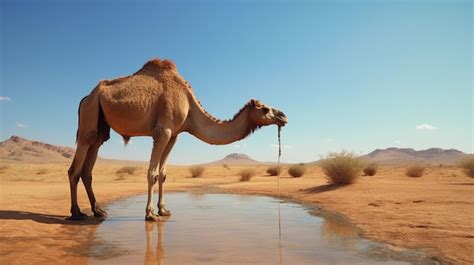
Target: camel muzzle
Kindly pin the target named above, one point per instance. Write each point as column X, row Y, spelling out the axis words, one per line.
column 281, row 118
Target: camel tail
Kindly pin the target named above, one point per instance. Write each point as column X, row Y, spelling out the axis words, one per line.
column 103, row 128
column 79, row 117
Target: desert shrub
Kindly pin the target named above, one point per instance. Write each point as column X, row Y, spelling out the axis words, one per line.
column 415, row 171
column 274, row 171
column 42, row 171
column 467, row 166
column 130, row 170
column 67, row 155
column 371, row 169
column 297, row 171
column 247, row 173
column 226, row 166
column 342, row 168
column 196, row 171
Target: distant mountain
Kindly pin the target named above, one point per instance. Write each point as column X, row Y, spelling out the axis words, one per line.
column 395, row 155
column 236, row 159
column 21, row 149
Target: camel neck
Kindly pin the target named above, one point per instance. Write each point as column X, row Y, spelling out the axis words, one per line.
column 213, row 131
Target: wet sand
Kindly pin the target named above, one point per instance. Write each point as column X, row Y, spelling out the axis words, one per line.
column 433, row 213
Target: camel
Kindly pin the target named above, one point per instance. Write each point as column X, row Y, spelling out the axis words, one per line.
column 155, row 101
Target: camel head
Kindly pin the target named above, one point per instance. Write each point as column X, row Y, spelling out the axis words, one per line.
column 263, row 115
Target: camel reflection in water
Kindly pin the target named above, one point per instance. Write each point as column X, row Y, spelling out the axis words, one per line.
column 244, row 233
column 155, row 256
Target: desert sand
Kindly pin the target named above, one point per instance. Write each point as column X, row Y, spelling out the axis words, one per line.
column 433, row 213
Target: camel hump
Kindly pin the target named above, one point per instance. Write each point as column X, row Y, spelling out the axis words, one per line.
column 157, row 65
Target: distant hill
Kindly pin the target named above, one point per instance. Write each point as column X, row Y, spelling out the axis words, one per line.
column 395, row 155
column 21, row 149
column 236, row 159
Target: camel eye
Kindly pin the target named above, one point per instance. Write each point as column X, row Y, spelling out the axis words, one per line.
column 265, row 110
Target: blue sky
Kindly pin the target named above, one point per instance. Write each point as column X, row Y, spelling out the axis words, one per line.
column 354, row 75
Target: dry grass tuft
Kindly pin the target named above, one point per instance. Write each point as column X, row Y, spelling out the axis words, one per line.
column 371, row 169
column 297, row 171
column 196, row 171
column 42, row 171
column 247, row 173
column 274, row 170
column 342, row 168
column 130, row 170
column 415, row 171
column 226, row 166
column 467, row 166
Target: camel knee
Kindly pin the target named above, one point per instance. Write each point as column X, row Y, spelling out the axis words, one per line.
column 74, row 175
column 159, row 132
column 162, row 177
column 152, row 178
column 70, row 171
column 88, row 138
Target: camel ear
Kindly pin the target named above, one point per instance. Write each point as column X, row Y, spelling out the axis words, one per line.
column 254, row 103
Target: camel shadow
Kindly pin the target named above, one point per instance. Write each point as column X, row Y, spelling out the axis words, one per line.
column 320, row 189
column 45, row 218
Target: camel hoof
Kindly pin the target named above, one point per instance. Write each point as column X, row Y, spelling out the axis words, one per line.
column 78, row 217
column 152, row 217
column 164, row 212
column 100, row 214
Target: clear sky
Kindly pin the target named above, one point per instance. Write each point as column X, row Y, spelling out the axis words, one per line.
column 354, row 75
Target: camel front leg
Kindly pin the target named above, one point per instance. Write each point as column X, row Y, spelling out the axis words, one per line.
column 159, row 144
column 162, row 177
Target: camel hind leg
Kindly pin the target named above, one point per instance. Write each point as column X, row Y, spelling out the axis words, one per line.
column 91, row 158
column 74, row 175
column 86, row 176
column 87, row 135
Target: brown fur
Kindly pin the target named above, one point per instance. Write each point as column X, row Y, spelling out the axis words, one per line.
column 157, row 102
column 251, row 103
column 157, row 65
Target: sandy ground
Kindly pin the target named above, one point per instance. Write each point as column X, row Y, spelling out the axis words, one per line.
column 434, row 212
